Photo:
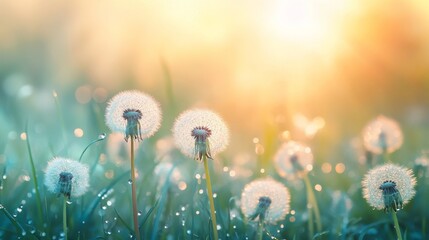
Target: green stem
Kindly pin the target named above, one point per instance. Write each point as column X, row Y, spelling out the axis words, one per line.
column 260, row 231
column 313, row 202
column 133, row 192
column 210, row 195
column 101, row 137
column 310, row 221
column 35, row 181
column 397, row 229
column 65, row 218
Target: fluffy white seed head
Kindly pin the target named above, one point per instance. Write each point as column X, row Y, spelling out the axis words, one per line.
column 269, row 189
column 293, row 159
column 403, row 179
column 79, row 172
column 191, row 122
column 148, row 107
column 382, row 134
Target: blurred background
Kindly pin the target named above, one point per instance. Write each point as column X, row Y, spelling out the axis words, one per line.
column 284, row 68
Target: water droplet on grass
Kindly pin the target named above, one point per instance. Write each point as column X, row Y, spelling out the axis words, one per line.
column 139, row 213
column 130, row 181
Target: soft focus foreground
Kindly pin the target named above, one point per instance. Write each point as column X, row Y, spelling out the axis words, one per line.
column 316, row 72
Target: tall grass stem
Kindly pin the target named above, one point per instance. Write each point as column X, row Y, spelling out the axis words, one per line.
column 313, row 202
column 35, row 181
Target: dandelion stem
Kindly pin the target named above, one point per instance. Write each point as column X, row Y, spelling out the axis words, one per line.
column 133, row 192
column 397, row 229
column 210, row 195
column 65, row 217
column 312, row 201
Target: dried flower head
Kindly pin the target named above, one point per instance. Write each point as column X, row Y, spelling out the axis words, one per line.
column 293, row 159
column 382, row 135
column 200, row 133
column 388, row 187
column 265, row 200
column 134, row 113
column 67, row 177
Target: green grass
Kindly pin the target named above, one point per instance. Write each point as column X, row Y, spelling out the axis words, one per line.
column 167, row 212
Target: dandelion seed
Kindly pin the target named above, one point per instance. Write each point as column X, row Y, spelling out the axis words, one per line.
column 67, row 177
column 382, row 135
column 293, row 159
column 200, row 133
column 388, row 187
column 134, row 113
column 266, row 200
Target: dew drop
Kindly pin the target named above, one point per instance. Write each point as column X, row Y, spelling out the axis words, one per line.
column 33, row 231
column 130, row 181
column 197, row 212
column 69, row 202
column 188, row 232
column 218, row 227
column 19, row 210
column 104, row 207
column 4, row 177
column 139, row 213
column 102, row 136
column 109, row 233
column 43, row 234
column 24, row 233
column 177, row 213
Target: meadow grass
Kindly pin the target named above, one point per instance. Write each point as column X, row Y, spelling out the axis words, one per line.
column 177, row 208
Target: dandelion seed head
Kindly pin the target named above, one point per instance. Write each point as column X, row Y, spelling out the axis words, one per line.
column 137, row 107
column 267, row 196
column 382, row 134
column 203, row 126
column 61, row 171
column 380, row 185
column 293, row 159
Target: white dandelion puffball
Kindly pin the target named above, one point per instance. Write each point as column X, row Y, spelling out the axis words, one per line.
column 266, row 188
column 79, row 171
column 190, row 120
column 137, row 101
column 403, row 179
column 292, row 158
column 382, row 134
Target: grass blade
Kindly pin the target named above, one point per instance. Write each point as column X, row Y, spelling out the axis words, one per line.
column 123, row 222
column 15, row 223
column 35, row 181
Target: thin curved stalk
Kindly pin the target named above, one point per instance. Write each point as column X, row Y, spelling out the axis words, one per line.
column 397, row 229
column 313, row 202
column 133, row 192
column 65, row 218
column 210, row 196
